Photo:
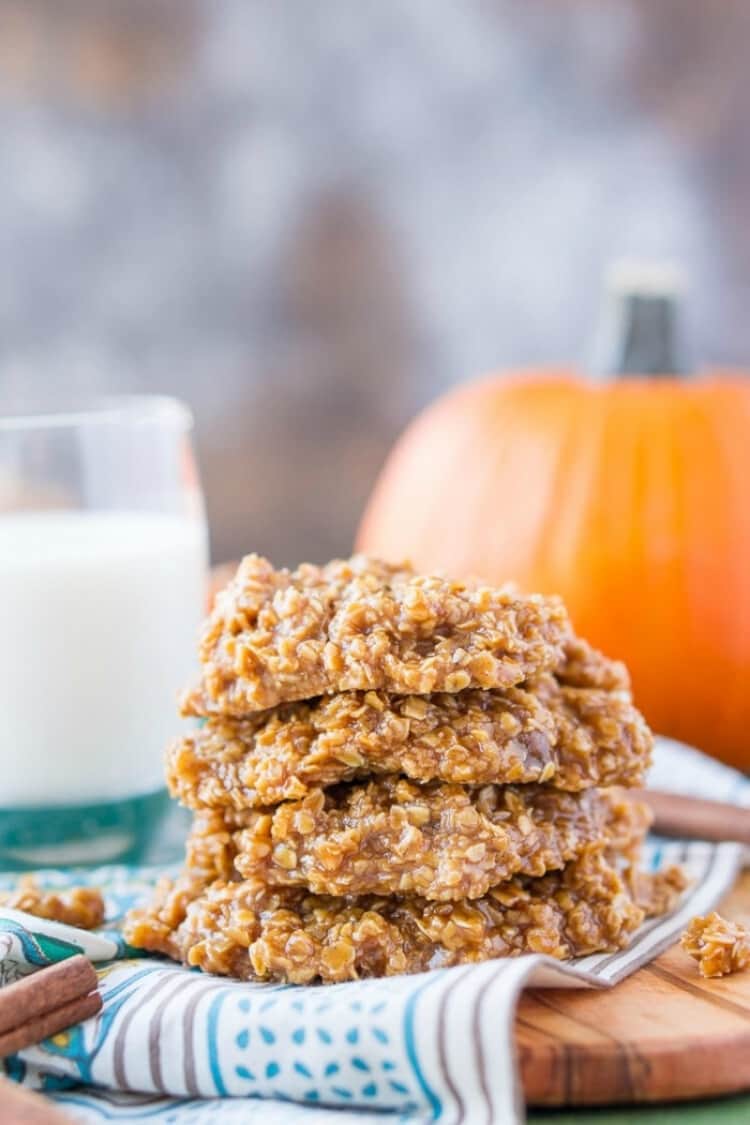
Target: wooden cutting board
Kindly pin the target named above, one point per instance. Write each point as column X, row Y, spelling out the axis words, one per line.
column 663, row 1034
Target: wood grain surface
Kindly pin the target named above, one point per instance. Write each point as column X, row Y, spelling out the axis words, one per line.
column 662, row 1034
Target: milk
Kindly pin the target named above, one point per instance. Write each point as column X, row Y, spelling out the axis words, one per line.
column 99, row 613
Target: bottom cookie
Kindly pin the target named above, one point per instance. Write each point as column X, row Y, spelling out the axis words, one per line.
column 250, row 931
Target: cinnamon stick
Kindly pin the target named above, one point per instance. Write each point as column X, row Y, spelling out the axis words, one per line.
column 50, row 1023
column 45, row 990
column 47, row 1002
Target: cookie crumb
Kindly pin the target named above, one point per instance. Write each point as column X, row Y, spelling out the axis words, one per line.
column 659, row 891
column 719, row 946
column 75, row 906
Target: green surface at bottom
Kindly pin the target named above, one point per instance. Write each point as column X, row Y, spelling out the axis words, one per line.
column 63, row 835
column 724, row 1111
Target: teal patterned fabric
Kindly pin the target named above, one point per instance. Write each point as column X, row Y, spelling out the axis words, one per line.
column 176, row 1045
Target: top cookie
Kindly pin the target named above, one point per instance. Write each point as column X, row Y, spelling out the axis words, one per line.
column 277, row 635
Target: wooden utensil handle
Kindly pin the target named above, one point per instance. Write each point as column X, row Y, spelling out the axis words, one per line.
column 675, row 815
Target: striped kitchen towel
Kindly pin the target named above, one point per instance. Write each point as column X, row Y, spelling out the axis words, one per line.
column 176, row 1045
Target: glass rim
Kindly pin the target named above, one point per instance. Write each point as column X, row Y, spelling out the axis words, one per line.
column 99, row 410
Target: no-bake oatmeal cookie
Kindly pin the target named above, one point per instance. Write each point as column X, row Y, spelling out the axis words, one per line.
column 278, row 635
column 571, row 738
column 251, row 931
column 583, row 666
column 392, row 837
column 399, row 772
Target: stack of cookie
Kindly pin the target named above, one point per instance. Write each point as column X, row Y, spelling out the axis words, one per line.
column 399, row 772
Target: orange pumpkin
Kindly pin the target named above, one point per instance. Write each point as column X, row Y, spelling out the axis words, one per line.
column 630, row 497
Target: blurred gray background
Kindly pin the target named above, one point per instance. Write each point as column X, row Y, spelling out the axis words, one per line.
column 308, row 219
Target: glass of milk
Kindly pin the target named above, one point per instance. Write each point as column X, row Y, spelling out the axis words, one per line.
column 103, row 556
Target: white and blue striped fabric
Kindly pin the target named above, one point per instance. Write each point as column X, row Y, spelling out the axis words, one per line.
column 177, row 1046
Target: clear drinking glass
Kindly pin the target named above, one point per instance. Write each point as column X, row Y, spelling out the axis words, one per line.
column 103, row 557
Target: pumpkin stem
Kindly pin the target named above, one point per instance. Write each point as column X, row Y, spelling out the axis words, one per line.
column 640, row 328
